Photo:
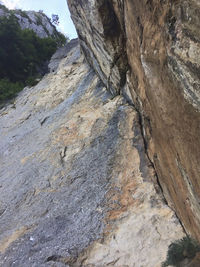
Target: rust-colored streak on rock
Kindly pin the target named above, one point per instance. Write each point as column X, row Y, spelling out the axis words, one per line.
column 13, row 237
column 128, row 173
column 135, row 210
column 174, row 141
column 162, row 48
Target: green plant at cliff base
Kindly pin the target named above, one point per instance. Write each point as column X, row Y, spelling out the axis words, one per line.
column 180, row 250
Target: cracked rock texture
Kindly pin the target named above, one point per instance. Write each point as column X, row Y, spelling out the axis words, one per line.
column 149, row 51
column 76, row 187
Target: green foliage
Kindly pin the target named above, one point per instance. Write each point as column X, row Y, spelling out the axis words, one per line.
column 8, row 90
column 61, row 39
column 22, row 53
column 4, row 8
column 55, row 19
column 21, row 13
column 32, row 81
column 181, row 249
column 39, row 20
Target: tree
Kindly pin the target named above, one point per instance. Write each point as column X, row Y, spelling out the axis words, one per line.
column 23, row 56
column 55, row 19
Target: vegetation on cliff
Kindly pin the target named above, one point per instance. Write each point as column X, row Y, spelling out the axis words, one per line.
column 180, row 250
column 23, row 56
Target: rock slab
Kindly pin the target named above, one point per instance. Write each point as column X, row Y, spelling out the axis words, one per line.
column 76, row 187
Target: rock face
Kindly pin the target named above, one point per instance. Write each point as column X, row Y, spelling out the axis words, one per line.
column 36, row 21
column 156, row 46
column 76, row 187
column 102, row 40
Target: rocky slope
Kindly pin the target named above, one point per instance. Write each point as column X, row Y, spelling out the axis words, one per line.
column 149, row 51
column 76, row 187
column 36, row 21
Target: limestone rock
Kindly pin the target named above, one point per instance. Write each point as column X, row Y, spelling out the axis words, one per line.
column 102, row 40
column 160, row 40
column 36, row 21
column 60, row 54
column 76, row 187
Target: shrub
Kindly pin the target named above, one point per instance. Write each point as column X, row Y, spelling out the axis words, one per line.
column 39, row 20
column 22, row 56
column 4, row 8
column 61, row 39
column 8, row 90
column 32, row 81
column 181, row 249
column 22, row 51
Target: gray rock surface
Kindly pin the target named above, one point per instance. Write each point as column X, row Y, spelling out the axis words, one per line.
column 158, row 42
column 62, row 53
column 102, row 40
column 36, row 21
column 76, row 188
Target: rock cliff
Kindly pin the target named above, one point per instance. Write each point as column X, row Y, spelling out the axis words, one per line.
column 76, row 186
column 98, row 159
column 149, row 51
column 36, row 21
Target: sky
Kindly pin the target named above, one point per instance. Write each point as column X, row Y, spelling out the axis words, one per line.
column 49, row 7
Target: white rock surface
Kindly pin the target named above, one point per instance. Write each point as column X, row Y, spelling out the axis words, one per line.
column 36, row 21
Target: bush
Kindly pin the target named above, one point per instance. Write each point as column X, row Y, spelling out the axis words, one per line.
column 61, row 39
column 181, row 249
column 8, row 90
column 22, row 51
column 32, row 81
column 22, row 56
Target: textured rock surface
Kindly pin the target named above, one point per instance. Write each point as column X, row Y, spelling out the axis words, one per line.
column 76, row 187
column 102, row 40
column 162, row 47
column 60, row 54
column 36, row 21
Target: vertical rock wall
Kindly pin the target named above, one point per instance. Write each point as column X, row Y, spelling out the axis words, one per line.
column 160, row 40
column 102, row 40
column 163, row 55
